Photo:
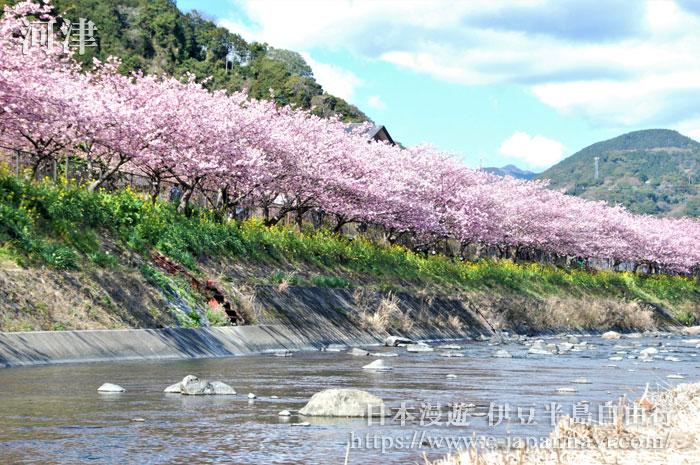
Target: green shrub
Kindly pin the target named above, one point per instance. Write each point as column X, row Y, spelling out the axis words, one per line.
column 195, row 317
column 330, row 281
column 59, row 256
column 103, row 260
column 155, row 278
column 216, row 318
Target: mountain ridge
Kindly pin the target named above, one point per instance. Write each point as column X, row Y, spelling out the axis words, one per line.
column 511, row 170
column 650, row 171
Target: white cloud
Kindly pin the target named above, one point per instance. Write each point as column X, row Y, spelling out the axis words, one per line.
column 537, row 151
column 375, row 101
column 334, row 79
column 622, row 62
column 689, row 127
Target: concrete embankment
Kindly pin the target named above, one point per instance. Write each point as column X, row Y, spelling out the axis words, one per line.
column 54, row 347
column 302, row 318
column 308, row 318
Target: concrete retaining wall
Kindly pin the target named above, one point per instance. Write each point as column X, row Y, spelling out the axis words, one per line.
column 301, row 318
column 54, row 347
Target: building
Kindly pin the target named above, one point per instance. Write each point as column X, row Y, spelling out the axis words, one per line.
column 373, row 132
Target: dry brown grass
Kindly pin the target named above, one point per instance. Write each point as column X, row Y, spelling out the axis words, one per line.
column 284, row 285
column 386, row 316
column 569, row 313
column 679, row 440
column 455, row 322
column 245, row 297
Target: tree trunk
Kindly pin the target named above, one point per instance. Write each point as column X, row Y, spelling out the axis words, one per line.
column 97, row 183
column 184, row 204
column 155, row 186
column 221, row 198
column 340, row 221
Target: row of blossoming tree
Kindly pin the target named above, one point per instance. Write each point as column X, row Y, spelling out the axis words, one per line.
column 283, row 160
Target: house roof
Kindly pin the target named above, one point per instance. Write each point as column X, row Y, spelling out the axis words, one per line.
column 374, row 132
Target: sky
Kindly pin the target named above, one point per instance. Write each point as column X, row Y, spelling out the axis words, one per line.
column 523, row 82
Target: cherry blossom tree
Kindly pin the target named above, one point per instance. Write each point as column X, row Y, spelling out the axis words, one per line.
column 238, row 151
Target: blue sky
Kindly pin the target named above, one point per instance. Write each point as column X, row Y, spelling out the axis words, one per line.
column 526, row 82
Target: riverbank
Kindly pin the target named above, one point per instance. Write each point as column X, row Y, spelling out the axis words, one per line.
column 74, row 260
column 670, row 438
column 299, row 318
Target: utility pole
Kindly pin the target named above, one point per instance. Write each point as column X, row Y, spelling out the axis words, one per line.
column 596, row 167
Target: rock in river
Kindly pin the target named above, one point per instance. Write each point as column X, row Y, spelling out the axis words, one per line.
column 538, row 348
column 177, row 387
column 611, row 335
column 343, row 403
column 222, row 389
column 393, row 341
column 649, row 351
column 419, row 348
column 451, row 354
column 502, row 354
column 193, row 386
column 378, row 365
column 109, row 387
column 449, row 347
column 358, row 352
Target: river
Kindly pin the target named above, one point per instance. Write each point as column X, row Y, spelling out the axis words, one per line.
column 54, row 414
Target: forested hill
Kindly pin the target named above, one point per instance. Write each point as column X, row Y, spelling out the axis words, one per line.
column 155, row 36
column 654, row 171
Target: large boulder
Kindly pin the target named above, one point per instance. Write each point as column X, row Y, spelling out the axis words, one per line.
column 196, row 387
column 222, row 389
column 193, row 386
column 394, row 341
column 109, row 387
column 378, row 365
column 611, row 335
column 344, row 403
column 358, row 352
column 173, row 389
column 177, row 387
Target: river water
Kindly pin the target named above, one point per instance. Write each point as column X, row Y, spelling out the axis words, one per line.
column 54, row 414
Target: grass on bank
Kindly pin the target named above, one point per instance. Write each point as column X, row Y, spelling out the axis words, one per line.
column 61, row 227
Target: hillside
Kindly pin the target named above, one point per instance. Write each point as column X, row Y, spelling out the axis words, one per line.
column 156, row 37
column 655, row 171
column 511, row 170
column 71, row 259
